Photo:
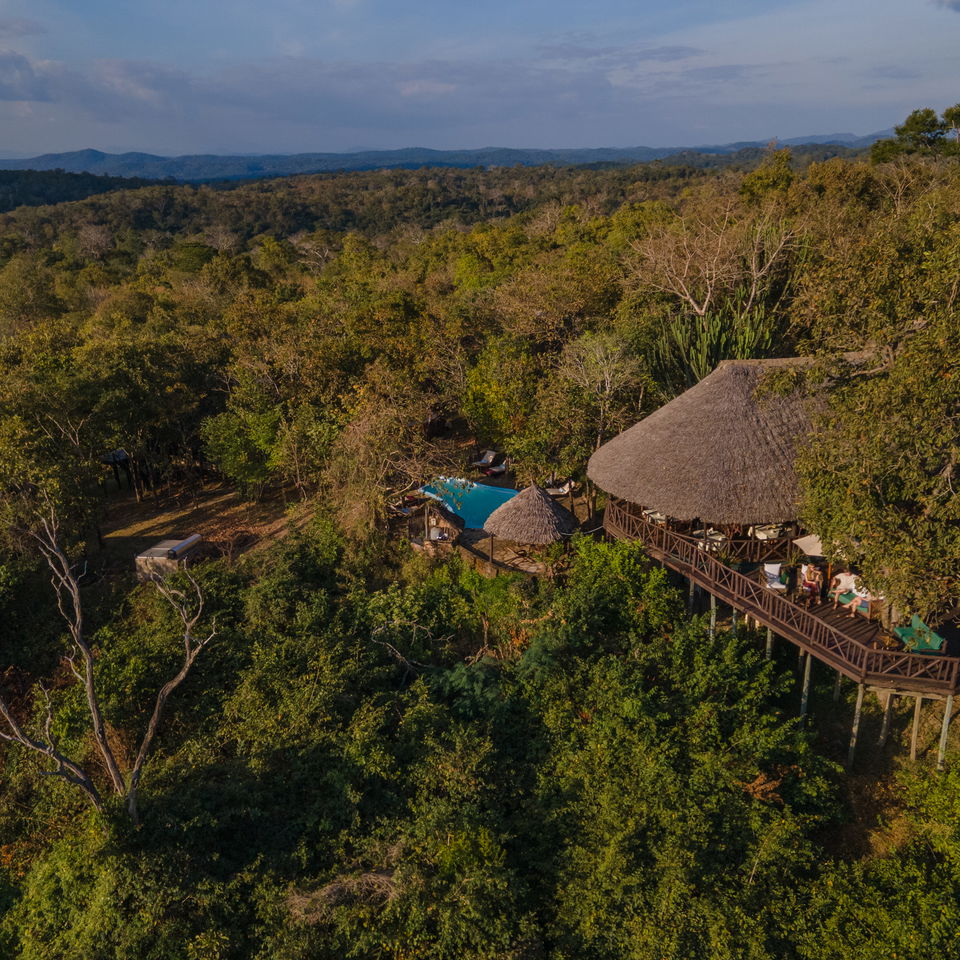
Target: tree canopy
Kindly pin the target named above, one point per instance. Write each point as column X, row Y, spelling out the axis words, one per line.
column 383, row 755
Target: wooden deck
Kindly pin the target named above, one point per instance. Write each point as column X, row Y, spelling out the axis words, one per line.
column 829, row 635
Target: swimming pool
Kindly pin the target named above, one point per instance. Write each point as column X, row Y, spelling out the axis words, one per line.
column 473, row 502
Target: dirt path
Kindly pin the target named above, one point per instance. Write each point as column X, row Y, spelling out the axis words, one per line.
column 228, row 523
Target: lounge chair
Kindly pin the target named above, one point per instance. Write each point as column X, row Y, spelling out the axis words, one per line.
column 496, row 471
column 486, row 460
column 563, row 489
column 771, row 577
column 918, row 637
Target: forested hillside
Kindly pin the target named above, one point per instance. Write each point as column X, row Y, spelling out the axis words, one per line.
column 209, row 167
column 33, row 187
column 376, row 754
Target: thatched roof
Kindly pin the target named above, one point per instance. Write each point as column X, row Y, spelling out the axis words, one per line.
column 443, row 515
column 716, row 452
column 531, row 517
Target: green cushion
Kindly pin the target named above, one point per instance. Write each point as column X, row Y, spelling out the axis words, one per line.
column 846, row 598
column 919, row 638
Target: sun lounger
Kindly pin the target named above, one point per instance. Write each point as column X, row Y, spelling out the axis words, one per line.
column 918, row 637
column 486, row 460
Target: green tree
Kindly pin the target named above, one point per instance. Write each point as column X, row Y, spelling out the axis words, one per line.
column 879, row 472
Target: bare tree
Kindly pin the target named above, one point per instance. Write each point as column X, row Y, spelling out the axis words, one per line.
column 712, row 252
column 81, row 661
column 606, row 372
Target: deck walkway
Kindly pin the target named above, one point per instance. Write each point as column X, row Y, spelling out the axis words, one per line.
column 830, row 636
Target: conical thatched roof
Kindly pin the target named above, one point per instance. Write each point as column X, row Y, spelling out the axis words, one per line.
column 531, row 517
column 716, row 452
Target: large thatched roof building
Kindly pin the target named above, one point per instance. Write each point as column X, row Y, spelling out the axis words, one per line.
column 720, row 452
column 531, row 517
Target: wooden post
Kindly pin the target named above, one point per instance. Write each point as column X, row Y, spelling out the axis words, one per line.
column 887, row 718
column 733, row 620
column 855, row 728
column 918, row 703
column 836, row 687
column 805, row 695
column 769, row 643
column 713, row 616
column 690, row 593
column 944, row 730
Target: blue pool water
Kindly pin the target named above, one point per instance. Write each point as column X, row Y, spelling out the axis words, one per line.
column 474, row 502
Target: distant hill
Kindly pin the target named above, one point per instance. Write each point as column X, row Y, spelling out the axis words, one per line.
column 213, row 167
column 29, row 188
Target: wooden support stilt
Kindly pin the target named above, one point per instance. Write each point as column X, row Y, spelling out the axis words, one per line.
column 805, row 695
column 713, row 616
column 690, row 594
column 944, row 730
column 733, row 620
column 836, row 687
column 887, row 717
column 800, row 658
column 855, row 728
column 769, row 643
column 918, row 704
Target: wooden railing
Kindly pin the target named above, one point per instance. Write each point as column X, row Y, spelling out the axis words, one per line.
column 911, row 672
column 746, row 550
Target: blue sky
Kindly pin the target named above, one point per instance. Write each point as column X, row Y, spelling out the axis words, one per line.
column 191, row 76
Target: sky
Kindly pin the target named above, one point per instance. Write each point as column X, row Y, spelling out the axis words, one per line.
column 286, row 76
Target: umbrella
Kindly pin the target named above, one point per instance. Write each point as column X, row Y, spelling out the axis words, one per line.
column 811, row 545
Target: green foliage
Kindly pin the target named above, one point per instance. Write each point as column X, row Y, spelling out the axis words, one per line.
column 922, row 132
column 242, row 444
column 690, row 348
column 772, row 177
column 384, row 755
column 879, row 473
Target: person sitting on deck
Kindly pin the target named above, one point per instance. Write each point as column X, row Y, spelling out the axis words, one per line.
column 861, row 595
column 842, row 583
column 811, row 581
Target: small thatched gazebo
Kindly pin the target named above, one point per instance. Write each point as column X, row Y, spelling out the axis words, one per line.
column 721, row 452
column 531, row 518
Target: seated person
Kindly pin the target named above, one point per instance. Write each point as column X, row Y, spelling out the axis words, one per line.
column 811, row 581
column 861, row 595
column 842, row 583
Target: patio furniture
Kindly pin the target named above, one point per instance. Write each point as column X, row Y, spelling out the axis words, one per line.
column 767, row 531
column 486, row 460
column 710, row 539
column 496, row 471
column 918, row 637
column 771, row 577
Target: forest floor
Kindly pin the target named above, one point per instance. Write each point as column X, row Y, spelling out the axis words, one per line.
column 228, row 523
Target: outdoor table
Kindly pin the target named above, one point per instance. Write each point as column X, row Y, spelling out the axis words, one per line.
column 770, row 531
column 709, row 539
